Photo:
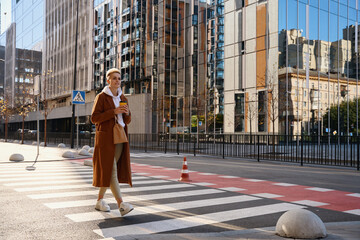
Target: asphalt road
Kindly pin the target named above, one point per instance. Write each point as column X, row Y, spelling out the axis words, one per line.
column 56, row 201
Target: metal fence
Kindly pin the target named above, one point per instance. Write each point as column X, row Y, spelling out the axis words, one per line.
column 323, row 150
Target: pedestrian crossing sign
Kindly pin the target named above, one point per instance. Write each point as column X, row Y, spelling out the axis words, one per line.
column 78, row 97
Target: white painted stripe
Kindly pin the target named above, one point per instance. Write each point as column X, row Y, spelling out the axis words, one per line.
column 285, row 184
column 354, row 211
column 125, row 190
column 132, row 199
column 207, row 174
column 170, row 169
column 194, row 221
column 254, row 180
column 43, row 178
column 140, row 173
column 204, row 184
column 267, row 195
column 228, row 177
column 156, row 167
column 319, row 189
column 354, row 195
column 45, row 173
column 160, row 176
column 310, row 203
column 153, row 209
column 23, row 170
column 60, row 182
column 233, row 189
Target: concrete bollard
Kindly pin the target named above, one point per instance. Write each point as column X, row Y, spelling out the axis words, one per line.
column 86, row 147
column 61, row 145
column 300, row 223
column 42, row 144
column 88, row 162
column 16, row 157
column 84, row 152
column 91, row 150
column 68, row 154
column 34, row 143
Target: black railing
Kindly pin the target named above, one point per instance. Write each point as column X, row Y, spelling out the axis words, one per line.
column 320, row 150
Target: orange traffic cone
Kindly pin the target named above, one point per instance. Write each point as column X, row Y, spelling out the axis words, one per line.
column 184, row 173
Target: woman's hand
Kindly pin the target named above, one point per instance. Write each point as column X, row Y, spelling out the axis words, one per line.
column 122, row 109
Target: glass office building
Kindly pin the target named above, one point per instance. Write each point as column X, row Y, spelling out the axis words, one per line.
column 318, row 66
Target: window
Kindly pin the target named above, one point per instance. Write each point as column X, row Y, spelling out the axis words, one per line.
column 239, row 112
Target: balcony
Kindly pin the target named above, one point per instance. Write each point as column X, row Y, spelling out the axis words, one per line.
column 126, row 11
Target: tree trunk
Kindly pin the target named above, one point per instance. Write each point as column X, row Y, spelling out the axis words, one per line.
column 45, row 124
column 6, row 127
column 23, row 125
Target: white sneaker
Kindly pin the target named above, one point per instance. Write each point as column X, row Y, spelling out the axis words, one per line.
column 125, row 208
column 101, row 205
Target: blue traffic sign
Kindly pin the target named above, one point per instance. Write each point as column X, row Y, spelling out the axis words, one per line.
column 78, row 97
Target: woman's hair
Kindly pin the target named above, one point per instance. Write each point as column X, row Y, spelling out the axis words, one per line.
column 112, row 70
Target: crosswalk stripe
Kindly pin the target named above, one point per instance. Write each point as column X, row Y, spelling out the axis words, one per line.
column 44, row 188
column 61, row 182
column 47, row 170
column 92, row 192
column 45, row 173
column 194, row 221
column 132, row 199
column 17, row 179
column 153, row 209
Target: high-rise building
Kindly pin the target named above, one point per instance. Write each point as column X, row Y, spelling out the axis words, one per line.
column 106, row 14
column 60, row 26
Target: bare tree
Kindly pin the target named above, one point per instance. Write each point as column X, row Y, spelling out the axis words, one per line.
column 24, row 104
column 6, row 111
column 251, row 110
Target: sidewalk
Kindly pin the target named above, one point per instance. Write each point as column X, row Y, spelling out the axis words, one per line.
column 49, row 153
column 335, row 230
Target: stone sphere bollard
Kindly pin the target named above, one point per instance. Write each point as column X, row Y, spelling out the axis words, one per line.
column 61, row 145
column 42, row 144
column 84, row 152
column 68, row 154
column 86, row 147
column 88, row 162
column 300, row 223
column 91, row 150
column 34, row 143
column 16, row 157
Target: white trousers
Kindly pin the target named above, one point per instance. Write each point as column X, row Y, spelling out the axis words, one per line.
column 114, row 183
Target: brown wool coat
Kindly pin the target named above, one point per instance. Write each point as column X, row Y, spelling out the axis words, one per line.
column 104, row 150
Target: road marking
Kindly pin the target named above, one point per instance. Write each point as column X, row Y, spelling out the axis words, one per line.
column 194, row 221
column 254, row 180
column 354, row 211
column 203, row 184
column 132, row 199
column 354, row 195
column 267, row 195
column 319, row 189
column 44, row 188
column 92, row 192
column 159, row 208
column 48, row 170
column 45, row 173
column 233, row 189
column 285, row 184
column 44, row 178
column 207, row 174
column 60, row 182
column 229, row 177
column 310, row 203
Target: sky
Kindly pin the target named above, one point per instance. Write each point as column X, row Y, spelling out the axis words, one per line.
column 5, row 7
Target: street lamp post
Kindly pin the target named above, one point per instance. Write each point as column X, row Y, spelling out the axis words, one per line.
column 75, row 61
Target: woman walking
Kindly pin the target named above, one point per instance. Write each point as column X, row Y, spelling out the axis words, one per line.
column 111, row 162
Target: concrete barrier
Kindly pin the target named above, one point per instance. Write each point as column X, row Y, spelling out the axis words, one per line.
column 16, row 157
column 300, row 223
